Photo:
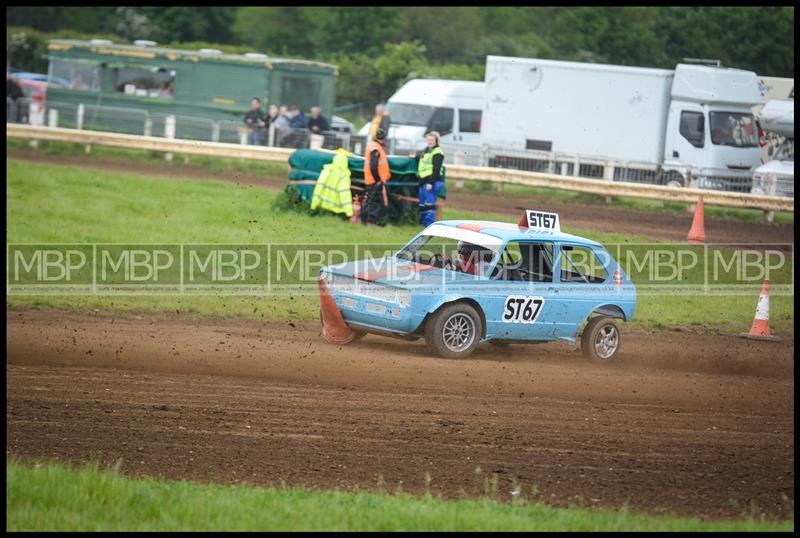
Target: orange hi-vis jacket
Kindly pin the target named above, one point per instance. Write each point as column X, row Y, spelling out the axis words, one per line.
column 383, row 163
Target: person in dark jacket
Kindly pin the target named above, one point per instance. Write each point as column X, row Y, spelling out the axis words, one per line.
column 431, row 178
column 317, row 123
column 298, row 134
column 298, row 120
column 254, row 119
column 376, row 174
column 13, row 92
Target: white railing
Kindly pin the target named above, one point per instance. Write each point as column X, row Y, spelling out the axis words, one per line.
column 606, row 187
column 139, row 121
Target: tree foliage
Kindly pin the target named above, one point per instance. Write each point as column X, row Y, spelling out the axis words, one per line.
column 378, row 48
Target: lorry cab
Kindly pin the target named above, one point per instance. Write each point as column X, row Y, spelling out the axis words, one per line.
column 451, row 107
column 711, row 130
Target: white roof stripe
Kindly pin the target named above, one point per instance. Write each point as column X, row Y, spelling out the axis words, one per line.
column 460, row 234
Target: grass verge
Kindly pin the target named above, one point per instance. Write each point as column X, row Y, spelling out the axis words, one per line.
column 244, row 166
column 62, row 204
column 52, row 497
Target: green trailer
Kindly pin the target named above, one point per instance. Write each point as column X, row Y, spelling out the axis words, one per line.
column 202, row 83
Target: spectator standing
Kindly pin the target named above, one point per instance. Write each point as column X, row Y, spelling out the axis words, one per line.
column 272, row 114
column 254, row 119
column 431, row 178
column 298, row 118
column 297, row 124
column 380, row 120
column 281, row 125
column 376, row 174
column 13, row 92
column 317, row 123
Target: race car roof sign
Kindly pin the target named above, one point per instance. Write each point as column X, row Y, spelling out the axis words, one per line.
column 540, row 220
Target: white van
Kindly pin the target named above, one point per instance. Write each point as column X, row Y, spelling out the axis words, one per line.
column 451, row 107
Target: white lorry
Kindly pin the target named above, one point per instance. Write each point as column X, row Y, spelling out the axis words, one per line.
column 777, row 176
column 623, row 123
column 453, row 108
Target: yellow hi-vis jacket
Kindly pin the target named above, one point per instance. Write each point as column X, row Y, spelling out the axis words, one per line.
column 332, row 191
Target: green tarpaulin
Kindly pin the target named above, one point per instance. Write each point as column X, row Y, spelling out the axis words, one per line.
column 306, row 165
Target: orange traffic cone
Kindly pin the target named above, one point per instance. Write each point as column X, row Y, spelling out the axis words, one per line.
column 760, row 328
column 697, row 233
column 334, row 328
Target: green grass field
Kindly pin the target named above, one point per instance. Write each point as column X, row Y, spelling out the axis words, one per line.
column 63, row 204
column 49, row 497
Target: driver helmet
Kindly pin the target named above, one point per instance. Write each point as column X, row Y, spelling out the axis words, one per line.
column 465, row 250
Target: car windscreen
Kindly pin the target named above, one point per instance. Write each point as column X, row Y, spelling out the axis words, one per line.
column 408, row 114
column 449, row 253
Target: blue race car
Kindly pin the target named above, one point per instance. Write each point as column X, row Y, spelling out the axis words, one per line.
column 459, row 283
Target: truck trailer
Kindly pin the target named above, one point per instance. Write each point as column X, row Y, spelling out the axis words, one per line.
column 692, row 125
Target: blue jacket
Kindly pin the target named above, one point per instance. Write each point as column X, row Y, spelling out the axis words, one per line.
column 298, row 122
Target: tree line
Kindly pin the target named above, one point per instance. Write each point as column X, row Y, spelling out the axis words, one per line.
column 379, row 48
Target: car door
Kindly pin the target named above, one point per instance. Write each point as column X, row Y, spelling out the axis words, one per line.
column 519, row 301
column 582, row 281
column 686, row 137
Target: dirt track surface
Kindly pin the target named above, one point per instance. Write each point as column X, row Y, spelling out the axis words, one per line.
column 681, row 423
column 599, row 216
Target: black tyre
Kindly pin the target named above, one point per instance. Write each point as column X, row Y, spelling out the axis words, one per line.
column 601, row 339
column 454, row 331
column 673, row 179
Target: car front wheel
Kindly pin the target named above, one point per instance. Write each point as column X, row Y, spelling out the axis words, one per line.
column 601, row 339
column 454, row 331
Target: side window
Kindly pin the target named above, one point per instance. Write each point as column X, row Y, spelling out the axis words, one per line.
column 157, row 82
column 693, row 128
column 581, row 265
column 469, row 121
column 442, row 121
column 525, row 262
column 74, row 74
column 301, row 90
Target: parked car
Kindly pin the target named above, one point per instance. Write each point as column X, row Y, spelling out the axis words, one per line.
column 41, row 77
column 777, row 176
column 460, row 283
column 341, row 125
column 33, row 89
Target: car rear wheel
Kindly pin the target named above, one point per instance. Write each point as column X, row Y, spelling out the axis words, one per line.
column 454, row 331
column 601, row 339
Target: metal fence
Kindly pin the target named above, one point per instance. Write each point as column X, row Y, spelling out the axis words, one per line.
column 138, row 121
column 596, row 167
